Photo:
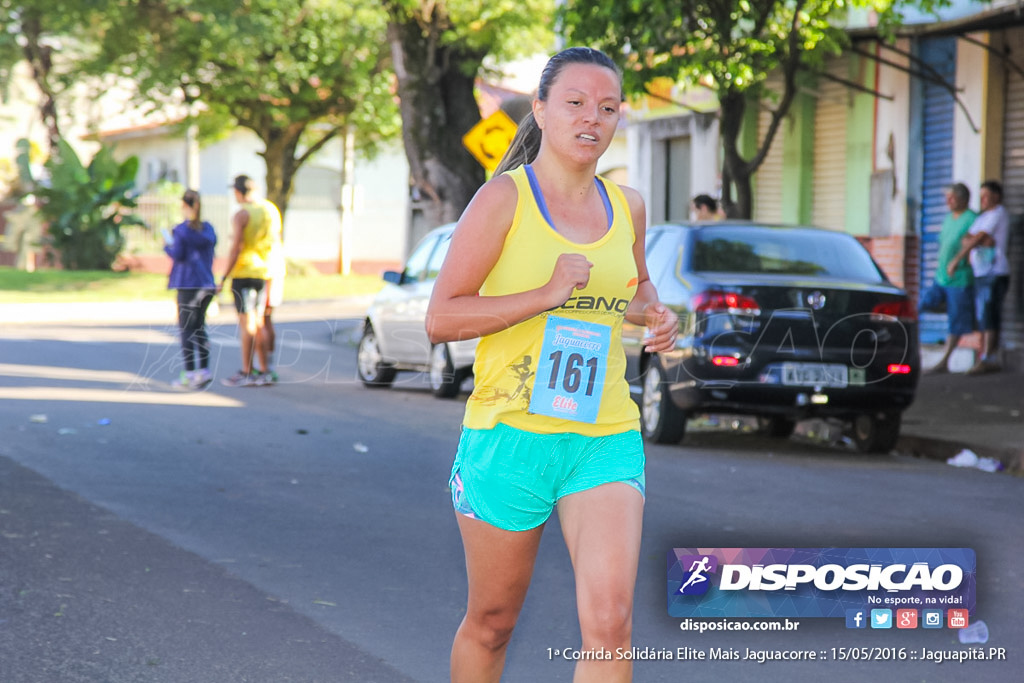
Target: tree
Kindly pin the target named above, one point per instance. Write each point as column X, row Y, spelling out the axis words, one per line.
column 46, row 36
column 438, row 49
column 298, row 73
column 729, row 46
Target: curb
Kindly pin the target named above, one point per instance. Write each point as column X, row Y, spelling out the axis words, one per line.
column 943, row 450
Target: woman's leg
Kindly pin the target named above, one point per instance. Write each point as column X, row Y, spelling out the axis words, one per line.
column 202, row 339
column 499, row 565
column 602, row 529
column 186, row 317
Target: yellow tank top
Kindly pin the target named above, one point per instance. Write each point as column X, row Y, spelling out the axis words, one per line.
column 506, row 367
column 262, row 233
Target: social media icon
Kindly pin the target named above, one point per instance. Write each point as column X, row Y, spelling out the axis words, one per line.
column 906, row 618
column 931, row 618
column 856, row 618
column 881, row 618
column 957, row 618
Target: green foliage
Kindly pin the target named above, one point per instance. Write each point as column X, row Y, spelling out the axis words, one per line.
column 51, row 37
column 275, row 66
column 84, row 206
column 729, row 46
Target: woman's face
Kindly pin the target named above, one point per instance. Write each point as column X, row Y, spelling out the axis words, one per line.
column 187, row 211
column 581, row 113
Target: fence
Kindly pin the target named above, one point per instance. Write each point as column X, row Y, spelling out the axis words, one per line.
column 163, row 213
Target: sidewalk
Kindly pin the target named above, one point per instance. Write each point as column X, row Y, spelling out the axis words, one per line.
column 952, row 412
column 983, row 413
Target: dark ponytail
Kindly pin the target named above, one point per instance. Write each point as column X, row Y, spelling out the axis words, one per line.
column 191, row 199
column 523, row 148
column 526, row 143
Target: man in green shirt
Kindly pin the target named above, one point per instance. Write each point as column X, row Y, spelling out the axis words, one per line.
column 956, row 286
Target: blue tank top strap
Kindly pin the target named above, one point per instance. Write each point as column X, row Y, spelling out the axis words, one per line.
column 538, row 197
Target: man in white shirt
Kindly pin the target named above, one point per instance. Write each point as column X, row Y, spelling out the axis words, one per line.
column 986, row 246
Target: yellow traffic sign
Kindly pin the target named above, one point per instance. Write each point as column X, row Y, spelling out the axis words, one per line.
column 488, row 140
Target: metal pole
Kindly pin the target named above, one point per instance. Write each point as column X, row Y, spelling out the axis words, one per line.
column 347, row 201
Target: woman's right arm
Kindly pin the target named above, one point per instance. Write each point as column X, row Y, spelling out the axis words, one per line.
column 456, row 310
column 176, row 248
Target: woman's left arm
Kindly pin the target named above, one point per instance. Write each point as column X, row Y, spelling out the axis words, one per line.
column 645, row 309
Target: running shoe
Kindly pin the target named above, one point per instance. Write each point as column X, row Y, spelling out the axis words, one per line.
column 264, row 379
column 241, row 379
column 201, row 377
column 184, row 380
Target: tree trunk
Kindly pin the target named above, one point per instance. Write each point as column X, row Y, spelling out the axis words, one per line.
column 736, row 172
column 40, row 60
column 438, row 107
column 279, row 156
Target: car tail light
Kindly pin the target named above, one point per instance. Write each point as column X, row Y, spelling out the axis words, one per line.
column 725, row 361
column 901, row 309
column 898, row 369
column 725, row 302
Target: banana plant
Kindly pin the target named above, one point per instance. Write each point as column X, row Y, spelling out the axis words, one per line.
column 85, row 207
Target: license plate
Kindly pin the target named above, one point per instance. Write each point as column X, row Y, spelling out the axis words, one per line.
column 814, row 374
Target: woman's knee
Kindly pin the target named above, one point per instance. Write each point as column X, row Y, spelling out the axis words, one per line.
column 607, row 620
column 492, row 629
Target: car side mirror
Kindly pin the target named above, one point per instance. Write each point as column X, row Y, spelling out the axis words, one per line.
column 393, row 277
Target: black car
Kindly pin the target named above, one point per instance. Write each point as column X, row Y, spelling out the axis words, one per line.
column 780, row 322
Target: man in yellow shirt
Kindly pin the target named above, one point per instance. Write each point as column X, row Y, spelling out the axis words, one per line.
column 257, row 226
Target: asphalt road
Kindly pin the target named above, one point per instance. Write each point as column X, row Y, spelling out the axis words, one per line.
column 303, row 532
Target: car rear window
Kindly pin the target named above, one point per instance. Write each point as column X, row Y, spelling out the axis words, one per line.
column 738, row 249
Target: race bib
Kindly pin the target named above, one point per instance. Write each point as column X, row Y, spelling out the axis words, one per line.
column 570, row 372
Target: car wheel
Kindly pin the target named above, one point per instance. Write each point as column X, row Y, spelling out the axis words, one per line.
column 370, row 365
column 776, row 427
column 444, row 381
column 876, row 432
column 662, row 421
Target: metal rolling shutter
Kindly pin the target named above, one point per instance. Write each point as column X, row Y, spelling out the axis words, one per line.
column 937, row 110
column 1013, row 193
column 828, row 208
column 768, row 178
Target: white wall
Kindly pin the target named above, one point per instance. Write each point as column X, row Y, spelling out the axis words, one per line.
column 380, row 195
column 892, row 123
column 705, row 152
column 312, row 228
column 971, row 70
column 646, row 160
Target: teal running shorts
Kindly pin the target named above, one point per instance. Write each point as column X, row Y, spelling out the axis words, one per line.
column 512, row 479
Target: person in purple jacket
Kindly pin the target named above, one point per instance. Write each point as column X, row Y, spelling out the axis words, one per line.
column 190, row 246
